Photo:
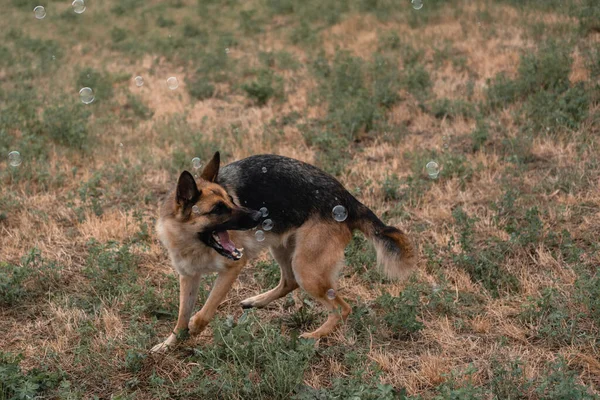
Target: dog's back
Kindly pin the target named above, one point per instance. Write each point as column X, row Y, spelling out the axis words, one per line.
column 291, row 190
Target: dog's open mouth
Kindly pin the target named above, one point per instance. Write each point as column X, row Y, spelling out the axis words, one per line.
column 221, row 242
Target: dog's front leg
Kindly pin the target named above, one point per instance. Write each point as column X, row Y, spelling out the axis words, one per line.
column 188, row 291
column 223, row 284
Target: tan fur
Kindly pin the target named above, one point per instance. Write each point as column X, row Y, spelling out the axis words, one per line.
column 316, row 263
column 396, row 266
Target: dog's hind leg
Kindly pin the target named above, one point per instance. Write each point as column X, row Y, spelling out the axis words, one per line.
column 317, row 260
column 188, row 291
column 287, row 282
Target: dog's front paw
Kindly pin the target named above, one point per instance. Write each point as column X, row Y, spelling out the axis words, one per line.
column 163, row 347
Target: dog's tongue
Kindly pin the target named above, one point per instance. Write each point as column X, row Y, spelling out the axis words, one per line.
column 225, row 242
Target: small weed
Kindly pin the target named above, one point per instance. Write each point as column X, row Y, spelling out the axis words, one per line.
column 164, row 22
column 303, row 319
column 110, row 269
column 549, row 318
column 118, row 34
column 266, row 86
column 445, row 108
column 126, row 6
column 418, row 82
column 200, row 88
column 482, row 265
column 249, row 360
column 19, row 283
column 67, row 125
column 361, row 257
column 390, row 187
column 16, row 384
column 459, row 386
column 267, row 274
column 363, row 382
column 508, row 380
column 561, row 383
column 401, row 312
column 101, row 84
column 588, row 293
column 136, row 108
column 480, row 135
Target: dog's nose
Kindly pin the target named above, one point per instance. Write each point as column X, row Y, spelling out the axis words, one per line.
column 256, row 215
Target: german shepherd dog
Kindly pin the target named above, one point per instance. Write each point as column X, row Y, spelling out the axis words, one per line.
column 206, row 226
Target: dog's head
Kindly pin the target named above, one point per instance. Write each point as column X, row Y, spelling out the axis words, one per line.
column 204, row 211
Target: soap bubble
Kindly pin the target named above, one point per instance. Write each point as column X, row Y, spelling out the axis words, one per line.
column 267, row 224
column 195, row 209
column 433, row 169
column 39, row 12
column 139, row 81
column 260, row 236
column 14, row 158
column 78, row 6
column 417, row 4
column 339, row 213
column 331, row 294
column 264, row 170
column 227, row 50
column 172, row 83
column 196, row 163
column 86, row 95
column 264, row 211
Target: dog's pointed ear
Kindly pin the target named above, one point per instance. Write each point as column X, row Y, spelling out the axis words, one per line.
column 211, row 171
column 187, row 191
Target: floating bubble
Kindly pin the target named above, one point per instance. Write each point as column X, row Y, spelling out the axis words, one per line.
column 78, row 6
column 227, row 50
column 196, row 163
column 139, row 81
column 264, row 211
column 417, row 4
column 14, row 158
column 86, row 95
column 339, row 213
column 331, row 294
column 172, row 83
column 433, row 169
column 260, row 236
column 267, row 224
column 53, row 57
column 39, row 12
column 195, row 209
column 264, row 170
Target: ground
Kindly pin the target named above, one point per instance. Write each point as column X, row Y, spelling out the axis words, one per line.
column 503, row 95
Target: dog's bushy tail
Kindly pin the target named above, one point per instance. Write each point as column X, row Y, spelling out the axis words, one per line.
column 396, row 254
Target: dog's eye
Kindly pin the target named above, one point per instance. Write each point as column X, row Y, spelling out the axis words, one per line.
column 219, row 209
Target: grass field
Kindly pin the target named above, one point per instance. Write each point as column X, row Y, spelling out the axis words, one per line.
column 504, row 95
